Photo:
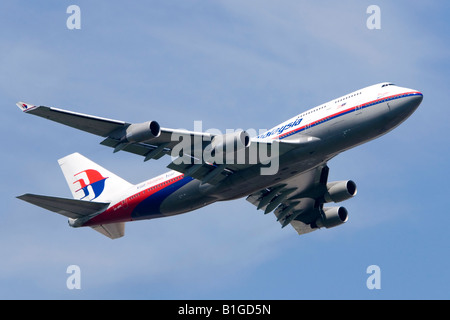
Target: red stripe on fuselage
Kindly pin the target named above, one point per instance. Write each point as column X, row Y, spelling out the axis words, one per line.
column 121, row 211
column 337, row 114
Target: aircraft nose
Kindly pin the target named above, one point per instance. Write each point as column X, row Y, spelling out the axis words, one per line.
column 417, row 94
column 415, row 99
column 408, row 104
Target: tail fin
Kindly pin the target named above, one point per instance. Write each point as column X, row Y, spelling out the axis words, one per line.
column 89, row 181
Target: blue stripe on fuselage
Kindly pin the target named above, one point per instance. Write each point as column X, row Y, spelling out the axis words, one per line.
column 345, row 112
column 150, row 206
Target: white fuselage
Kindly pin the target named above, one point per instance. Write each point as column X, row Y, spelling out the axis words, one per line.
column 317, row 135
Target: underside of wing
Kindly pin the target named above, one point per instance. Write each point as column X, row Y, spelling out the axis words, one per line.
column 146, row 139
column 214, row 169
column 204, row 156
column 299, row 201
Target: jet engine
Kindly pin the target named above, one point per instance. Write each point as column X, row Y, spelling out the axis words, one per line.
column 139, row 132
column 228, row 144
column 332, row 217
column 338, row 191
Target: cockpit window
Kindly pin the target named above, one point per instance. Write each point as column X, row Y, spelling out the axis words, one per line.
column 387, row 84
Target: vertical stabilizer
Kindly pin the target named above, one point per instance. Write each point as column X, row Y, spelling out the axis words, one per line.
column 89, row 181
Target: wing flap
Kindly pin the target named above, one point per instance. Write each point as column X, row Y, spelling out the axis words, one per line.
column 139, row 148
column 296, row 201
column 70, row 208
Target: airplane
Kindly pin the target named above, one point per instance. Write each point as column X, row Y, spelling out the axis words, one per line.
column 210, row 167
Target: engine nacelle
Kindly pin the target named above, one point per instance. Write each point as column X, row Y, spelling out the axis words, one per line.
column 228, row 144
column 332, row 217
column 340, row 190
column 139, row 132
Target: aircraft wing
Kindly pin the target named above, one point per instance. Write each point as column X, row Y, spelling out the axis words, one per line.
column 120, row 135
column 299, row 201
column 151, row 141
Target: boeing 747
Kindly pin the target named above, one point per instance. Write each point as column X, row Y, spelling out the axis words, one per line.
column 283, row 170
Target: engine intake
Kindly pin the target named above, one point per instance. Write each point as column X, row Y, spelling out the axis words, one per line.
column 332, row 217
column 340, row 190
column 139, row 132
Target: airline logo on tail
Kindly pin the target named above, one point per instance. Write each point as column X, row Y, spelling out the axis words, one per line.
column 94, row 180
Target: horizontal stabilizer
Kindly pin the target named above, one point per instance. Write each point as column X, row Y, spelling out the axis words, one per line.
column 70, row 208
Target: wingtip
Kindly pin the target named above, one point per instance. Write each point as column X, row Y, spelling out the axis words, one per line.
column 25, row 106
column 21, row 196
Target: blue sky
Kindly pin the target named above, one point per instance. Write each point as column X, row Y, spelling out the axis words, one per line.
column 231, row 64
